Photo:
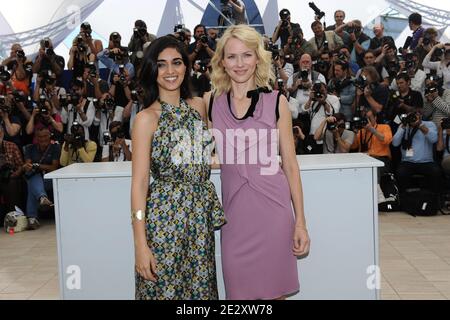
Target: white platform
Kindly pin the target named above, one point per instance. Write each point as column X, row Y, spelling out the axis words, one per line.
column 95, row 240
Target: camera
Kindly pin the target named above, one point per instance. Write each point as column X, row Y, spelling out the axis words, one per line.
column 5, row 76
column 20, row 54
column 92, row 69
column 284, row 15
column 408, row 119
column 135, row 96
column 63, row 101
column 430, row 89
column 203, row 66
column 19, row 96
column 322, row 65
column 3, row 106
column 316, row 90
column 359, row 123
column 280, row 83
column 204, row 39
column 139, row 32
column 426, row 40
column 75, row 139
column 107, row 138
column 326, row 47
column 82, row 48
column 361, row 83
column 74, row 99
column 179, row 29
column 108, row 104
column 319, row 13
column 445, row 124
column 304, row 74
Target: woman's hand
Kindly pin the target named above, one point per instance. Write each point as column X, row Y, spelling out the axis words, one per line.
column 145, row 263
column 301, row 241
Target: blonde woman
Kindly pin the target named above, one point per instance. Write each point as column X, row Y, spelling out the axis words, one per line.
column 262, row 238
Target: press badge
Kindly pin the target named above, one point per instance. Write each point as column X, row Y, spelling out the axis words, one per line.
column 410, row 153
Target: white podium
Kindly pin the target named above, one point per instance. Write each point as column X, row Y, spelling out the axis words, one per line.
column 95, row 239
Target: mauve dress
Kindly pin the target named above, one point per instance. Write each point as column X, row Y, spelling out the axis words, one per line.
column 257, row 242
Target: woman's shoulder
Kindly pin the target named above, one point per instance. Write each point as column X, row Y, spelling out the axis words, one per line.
column 149, row 117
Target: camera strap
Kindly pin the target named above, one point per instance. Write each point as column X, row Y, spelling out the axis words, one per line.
column 447, row 143
column 408, row 137
column 324, row 38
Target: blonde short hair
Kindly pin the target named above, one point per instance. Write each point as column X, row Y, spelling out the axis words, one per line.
column 264, row 74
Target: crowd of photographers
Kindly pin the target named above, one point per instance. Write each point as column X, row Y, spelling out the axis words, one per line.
column 347, row 92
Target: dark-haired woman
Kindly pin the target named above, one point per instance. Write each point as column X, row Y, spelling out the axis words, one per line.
column 174, row 219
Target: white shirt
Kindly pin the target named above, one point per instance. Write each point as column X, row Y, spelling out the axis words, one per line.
column 442, row 70
column 67, row 117
column 105, row 152
column 302, row 95
column 318, row 117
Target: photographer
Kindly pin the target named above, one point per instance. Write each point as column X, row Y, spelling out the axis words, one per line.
column 411, row 68
column 295, row 47
column 405, row 100
column 370, row 95
column 76, row 149
column 201, row 78
column 105, row 113
column 442, row 67
column 134, row 106
column 44, row 116
column 80, row 56
column 337, row 138
column 139, row 40
column 285, row 28
column 115, row 58
column 319, row 106
column 426, row 43
column 380, row 40
column 203, row 48
column 415, row 25
column 41, row 158
column 341, row 85
column 360, row 42
column 11, row 163
column 94, row 46
column 78, row 109
column 325, row 65
column 437, row 100
column 46, row 85
column 9, row 120
column 369, row 61
column 94, row 87
column 344, row 55
column 48, row 60
column 416, row 138
column 184, row 35
column 373, row 138
column 444, row 144
column 300, row 83
column 238, row 13
column 20, row 67
column 116, row 148
column 339, row 17
column 323, row 41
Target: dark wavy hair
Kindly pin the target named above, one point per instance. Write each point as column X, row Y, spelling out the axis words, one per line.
column 148, row 73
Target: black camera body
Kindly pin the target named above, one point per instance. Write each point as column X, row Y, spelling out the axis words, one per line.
column 3, row 106
column 19, row 96
column 359, row 123
column 304, row 74
column 139, row 32
column 445, row 124
column 319, row 13
column 20, row 54
column 316, row 90
column 178, row 29
column 408, row 119
column 108, row 105
column 203, row 66
column 5, row 76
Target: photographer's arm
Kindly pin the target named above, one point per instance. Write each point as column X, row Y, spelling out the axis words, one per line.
column 56, row 68
column 440, row 144
column 238, row 6
column 37, row 63
column 12, row 129
column 441, row 103
column 26, row 114
column 126, row 151
column 64, row 158
column 398, row 137
column 58, row 126
column 49, row 167
column 127, row 111
column 88, row 152
column 29, row 129
column 37, row 89
column 71, row 61
column 376, row 107
column 427, row 60
column 320, row 132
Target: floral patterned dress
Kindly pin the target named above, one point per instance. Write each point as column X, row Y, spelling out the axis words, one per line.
column 183, row 210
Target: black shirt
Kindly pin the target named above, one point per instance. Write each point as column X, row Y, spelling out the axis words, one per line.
column 47, row 65
column 376, row 43
column 202, row 54
column 284, row 33
column 380, row 95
